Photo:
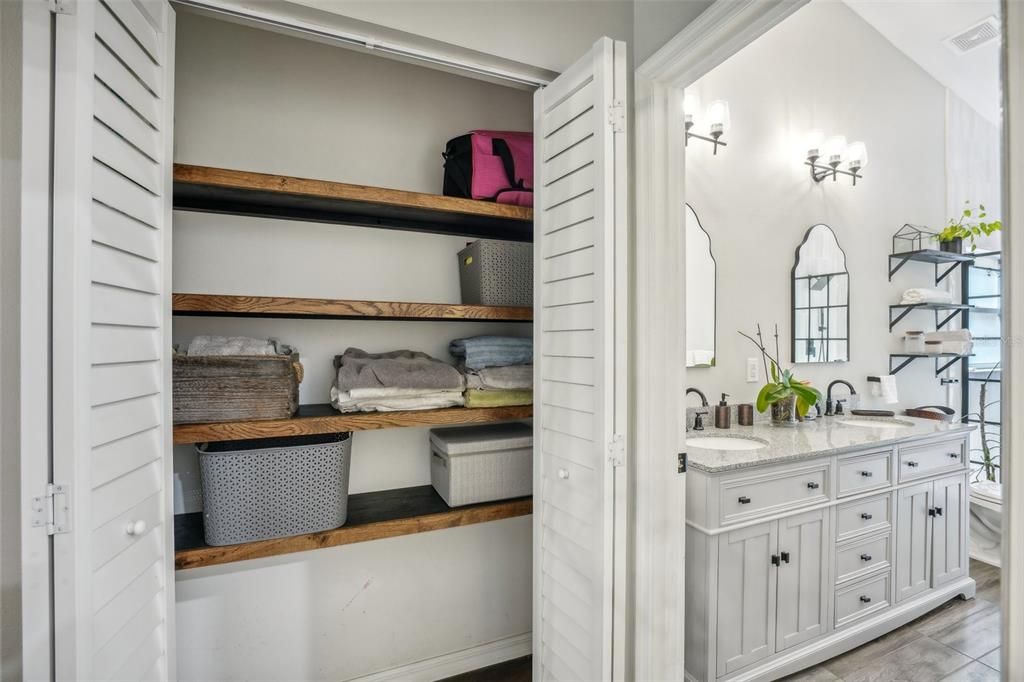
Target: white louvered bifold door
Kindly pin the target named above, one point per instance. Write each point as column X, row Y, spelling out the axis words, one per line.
column 113, row 562
column 580, row 249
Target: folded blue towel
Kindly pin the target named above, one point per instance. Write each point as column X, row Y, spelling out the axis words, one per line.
column 481, row 352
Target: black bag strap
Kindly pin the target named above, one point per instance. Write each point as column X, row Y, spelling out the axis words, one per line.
column 499, row 147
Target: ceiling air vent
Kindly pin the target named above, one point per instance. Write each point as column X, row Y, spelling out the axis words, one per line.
column 974, row 37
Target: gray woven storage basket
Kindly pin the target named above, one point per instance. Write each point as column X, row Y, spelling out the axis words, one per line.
column 274, row 487
column 495, row 272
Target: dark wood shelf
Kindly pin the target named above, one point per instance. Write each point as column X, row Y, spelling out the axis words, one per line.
column 371, row 516
column 322, row 418
column 213, row 305
column 220, row 190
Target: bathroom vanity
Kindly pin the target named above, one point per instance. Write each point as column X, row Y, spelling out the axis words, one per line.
column 804, row 542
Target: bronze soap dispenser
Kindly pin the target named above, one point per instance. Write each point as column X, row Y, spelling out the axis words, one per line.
column 722, row 413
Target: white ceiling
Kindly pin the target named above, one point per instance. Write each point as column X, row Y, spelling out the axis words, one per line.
column 919, row 28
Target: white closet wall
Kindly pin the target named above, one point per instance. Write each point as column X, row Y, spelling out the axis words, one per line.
column 253, row 100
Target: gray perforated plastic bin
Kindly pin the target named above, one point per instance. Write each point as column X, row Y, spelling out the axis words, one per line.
column 274, row 487
column 495, row 272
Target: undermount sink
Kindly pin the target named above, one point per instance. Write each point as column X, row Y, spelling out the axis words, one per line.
column 725, row 443
column 876, row 423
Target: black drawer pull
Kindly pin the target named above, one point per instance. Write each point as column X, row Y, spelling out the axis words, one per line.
column 938, row 511
column 865, row 557
column 775, row 559
column 744, row 500
column 866, row 599
column 931, row 512
column 813, row 486
column 785, row 557
column 866, row 474
column 911, row 463
column 866, row 516
column 954, row 455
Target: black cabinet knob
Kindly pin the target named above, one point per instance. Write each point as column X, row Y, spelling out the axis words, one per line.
column 866, row 516
column 938, row 511
column 775, row 559
column 744, row 500
column 865, row 557
column 813, row 486
column 954, row 455
column 911, row 463
column 866, row 599
column 785, row 557
column 866, row 474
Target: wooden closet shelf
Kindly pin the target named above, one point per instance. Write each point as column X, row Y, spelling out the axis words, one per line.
column 325, row 308
column 371, row 516
column 315, row 419
column 220, row 190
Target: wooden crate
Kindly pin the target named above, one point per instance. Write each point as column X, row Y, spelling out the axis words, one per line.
column 235, row 388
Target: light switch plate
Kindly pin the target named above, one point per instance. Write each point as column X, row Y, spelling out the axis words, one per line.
column 753, row 371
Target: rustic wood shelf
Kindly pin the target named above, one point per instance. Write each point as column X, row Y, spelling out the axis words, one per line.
column 315, row 419
column 325, row 308
column 371, row 516
column 220, row 190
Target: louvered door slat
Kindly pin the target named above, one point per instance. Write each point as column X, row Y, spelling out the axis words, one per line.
column 112, row 188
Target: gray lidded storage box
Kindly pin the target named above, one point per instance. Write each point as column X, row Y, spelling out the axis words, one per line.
column 495, row 272
column 274, row 487
column 471, row 464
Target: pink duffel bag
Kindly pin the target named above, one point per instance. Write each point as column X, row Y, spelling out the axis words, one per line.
column 490, row 165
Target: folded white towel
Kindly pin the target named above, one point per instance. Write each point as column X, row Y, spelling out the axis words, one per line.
column 889, row 393
column 235, row 345
column 926, row 295
column 393, row 399
column 954, row 341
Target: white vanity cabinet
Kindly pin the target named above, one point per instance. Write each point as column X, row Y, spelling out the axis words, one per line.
column 791, row 563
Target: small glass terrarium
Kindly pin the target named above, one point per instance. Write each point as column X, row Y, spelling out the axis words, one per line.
column 913, row 238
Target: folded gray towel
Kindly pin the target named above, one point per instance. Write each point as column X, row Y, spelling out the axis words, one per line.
column 480, row 352
column 511, row 377
column 397, row 369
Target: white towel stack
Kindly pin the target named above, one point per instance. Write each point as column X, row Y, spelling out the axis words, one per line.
column 926, row 295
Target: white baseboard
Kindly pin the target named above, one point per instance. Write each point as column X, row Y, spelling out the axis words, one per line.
column 456, row 662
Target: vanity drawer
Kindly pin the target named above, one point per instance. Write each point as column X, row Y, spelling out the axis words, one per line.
column 746, row 496
column 864, row 472
column 863, row 516
column 862, row 599
column 925, row 460
column 860, row 557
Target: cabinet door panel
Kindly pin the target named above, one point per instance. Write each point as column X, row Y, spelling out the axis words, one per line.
column 949, row 552
column 746, row 596
column 803, row 585
column 913, row 540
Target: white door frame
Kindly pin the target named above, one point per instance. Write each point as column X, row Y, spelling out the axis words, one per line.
column 1012, row 437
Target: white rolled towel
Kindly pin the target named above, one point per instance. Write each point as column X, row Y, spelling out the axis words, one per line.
column 926, row 295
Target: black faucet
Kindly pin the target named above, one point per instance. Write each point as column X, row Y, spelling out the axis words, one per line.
column 839, row 403
column 698, row 418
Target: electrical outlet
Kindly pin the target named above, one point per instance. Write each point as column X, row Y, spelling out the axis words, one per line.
column 753, row 371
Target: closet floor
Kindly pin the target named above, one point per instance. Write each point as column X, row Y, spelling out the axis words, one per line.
column 957, row 642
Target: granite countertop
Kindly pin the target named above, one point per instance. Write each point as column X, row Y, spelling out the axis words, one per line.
column 823, row 436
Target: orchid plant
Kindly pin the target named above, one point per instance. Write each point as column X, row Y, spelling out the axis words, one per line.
column 783, row 384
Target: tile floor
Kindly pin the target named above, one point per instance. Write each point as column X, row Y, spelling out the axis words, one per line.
column 957, row 642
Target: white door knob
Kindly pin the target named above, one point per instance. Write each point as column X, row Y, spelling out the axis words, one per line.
column 136, row 527
column 563, row 473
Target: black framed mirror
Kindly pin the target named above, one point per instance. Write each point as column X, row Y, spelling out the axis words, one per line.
column 821, row 299
column 701, row 294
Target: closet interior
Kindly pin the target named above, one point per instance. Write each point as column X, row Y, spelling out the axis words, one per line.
column 308, row 209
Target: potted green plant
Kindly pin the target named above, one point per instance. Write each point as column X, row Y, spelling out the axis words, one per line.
column 967, row 226
column 788, row 397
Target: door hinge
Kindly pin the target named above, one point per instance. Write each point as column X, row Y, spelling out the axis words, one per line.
column 683, row 462
column 617, row 116
column 62, row 6
column 53, row 510
column 617, row 450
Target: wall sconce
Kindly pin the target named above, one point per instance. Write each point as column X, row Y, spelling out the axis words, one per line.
column 718, row 120
column 836, row 152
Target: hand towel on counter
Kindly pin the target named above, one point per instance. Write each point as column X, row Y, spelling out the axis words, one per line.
column 512, row 377
column 476, row 397
column 397, row 369
column 481, row 352
column 926, row 295
column 236, row 345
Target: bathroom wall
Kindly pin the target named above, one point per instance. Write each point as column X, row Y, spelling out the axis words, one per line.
column 823, row 68
column 260, row 101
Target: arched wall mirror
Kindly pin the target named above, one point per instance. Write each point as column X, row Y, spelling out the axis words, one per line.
column 701, row 292
column 821, row 299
